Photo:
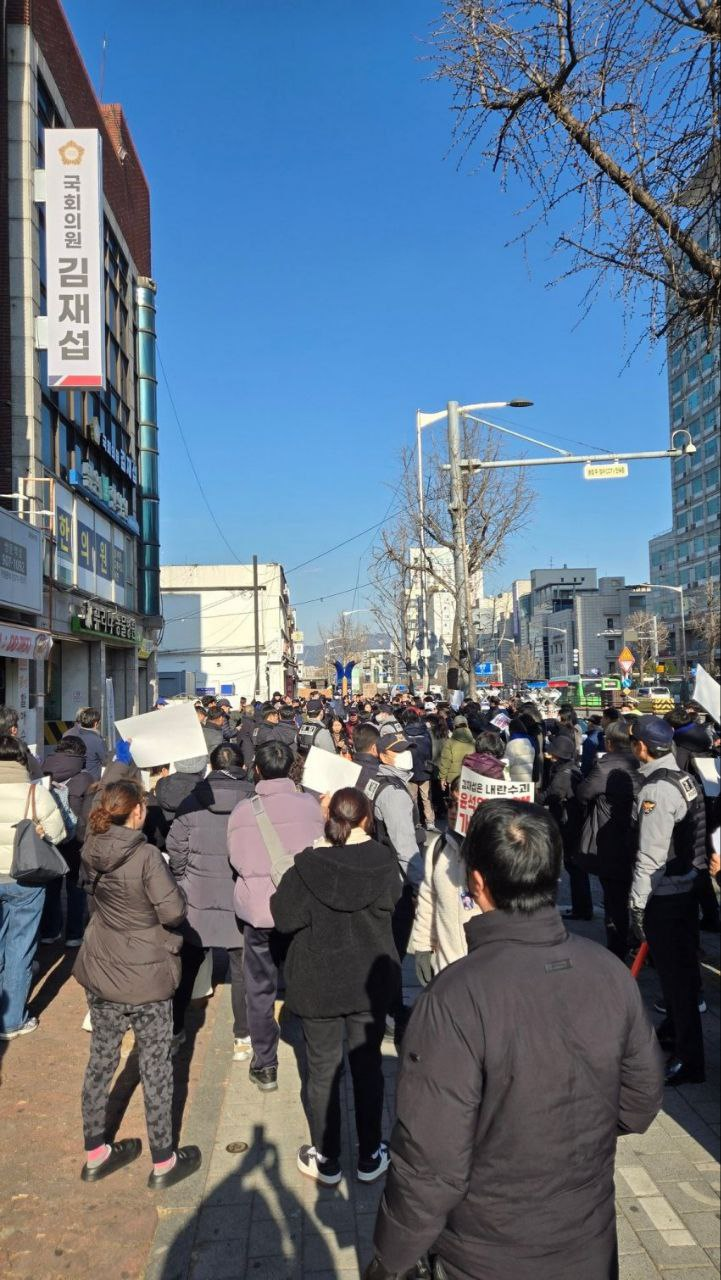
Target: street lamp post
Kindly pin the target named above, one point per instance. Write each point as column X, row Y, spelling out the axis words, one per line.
column 646, row 587
column 460, row 556
column 562, row 631
column 503, row 640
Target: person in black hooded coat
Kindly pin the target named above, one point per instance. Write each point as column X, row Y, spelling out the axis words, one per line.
column 609, row 838
column 342, row 975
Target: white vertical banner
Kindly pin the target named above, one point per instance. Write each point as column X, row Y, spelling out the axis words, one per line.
column 74, row 239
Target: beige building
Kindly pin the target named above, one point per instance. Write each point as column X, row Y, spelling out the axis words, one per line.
column 216, row 640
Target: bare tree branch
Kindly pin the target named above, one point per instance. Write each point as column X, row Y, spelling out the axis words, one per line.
column 609, row 113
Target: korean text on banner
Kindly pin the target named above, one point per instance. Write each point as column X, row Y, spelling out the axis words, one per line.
column 162, row 737
column 707, row 693
column 475, row 789
column 74, row 254
column 326, row 773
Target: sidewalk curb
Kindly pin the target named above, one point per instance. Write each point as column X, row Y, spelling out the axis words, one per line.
column 179, row 1207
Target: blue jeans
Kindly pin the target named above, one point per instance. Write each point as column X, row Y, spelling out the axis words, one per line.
column 21, row 907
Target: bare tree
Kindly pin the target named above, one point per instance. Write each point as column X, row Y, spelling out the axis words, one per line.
column 498, row 504
column 391, row 576
column 651, row 636
column 705, row 624
column 608, row 116
column 345, row 638
column 521, row 663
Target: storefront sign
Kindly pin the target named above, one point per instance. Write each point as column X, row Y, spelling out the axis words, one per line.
column 74, row 220
column 21, row 642
column 21, row 564
column 102, row 623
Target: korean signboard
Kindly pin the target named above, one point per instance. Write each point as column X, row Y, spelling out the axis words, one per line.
column 21, row 564
column 475, row 789
column 74, row 220
column 99, row 621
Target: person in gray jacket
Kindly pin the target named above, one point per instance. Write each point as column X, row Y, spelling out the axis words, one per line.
column 520, row 1066
column 87, row 727
column 386, row 763
column 671, row 837
column 197, row 848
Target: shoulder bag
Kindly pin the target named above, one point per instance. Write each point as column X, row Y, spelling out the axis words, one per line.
column 36, row 861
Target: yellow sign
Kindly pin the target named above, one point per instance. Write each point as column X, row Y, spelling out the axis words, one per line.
column 625, row 655
column 605, row 470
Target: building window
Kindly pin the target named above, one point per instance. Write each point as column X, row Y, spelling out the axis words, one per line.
column 609, row 622
column 713, row 506
column 697, row 486
column 611, row 645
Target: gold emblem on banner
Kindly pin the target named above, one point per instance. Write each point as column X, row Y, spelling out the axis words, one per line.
column 71, row 152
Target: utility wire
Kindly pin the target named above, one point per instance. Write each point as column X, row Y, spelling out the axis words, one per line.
column 193, row 467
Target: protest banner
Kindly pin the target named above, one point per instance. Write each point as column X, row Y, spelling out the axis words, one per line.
column 707, row 693
column 325, row 773
column 162, row 737
column 475, row 789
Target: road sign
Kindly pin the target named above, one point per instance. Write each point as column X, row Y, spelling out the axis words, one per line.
column 625, row 666
column 484, row 668
column 605, row 471
column 626, row 656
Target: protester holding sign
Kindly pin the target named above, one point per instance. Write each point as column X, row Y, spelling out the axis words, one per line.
column 474, row 789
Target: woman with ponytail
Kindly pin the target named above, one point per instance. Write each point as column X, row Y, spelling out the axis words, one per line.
column 129, row 965
column 342, row 975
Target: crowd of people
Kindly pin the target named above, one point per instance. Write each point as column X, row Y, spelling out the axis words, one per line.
column 321, row 897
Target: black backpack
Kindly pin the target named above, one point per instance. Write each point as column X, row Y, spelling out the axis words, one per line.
column 307, row 735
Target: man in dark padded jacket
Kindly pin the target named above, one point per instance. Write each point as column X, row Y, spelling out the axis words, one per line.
column 520, row 1066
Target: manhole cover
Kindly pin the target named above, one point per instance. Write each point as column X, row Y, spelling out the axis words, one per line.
column 236, row 1148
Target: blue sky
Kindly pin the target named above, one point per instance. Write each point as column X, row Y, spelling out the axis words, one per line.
column 325, row 266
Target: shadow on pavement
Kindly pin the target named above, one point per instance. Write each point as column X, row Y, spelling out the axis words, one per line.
column 253, row 1218
column 55, row 970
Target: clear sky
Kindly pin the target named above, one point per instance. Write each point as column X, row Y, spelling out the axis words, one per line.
column 326, row 265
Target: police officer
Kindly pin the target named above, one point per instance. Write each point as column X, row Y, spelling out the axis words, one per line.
column 312, row 732
column 671, row 835
column 386, row 767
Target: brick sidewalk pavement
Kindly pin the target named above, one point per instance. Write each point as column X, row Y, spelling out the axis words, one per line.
column 53, row 1226
column 251, row 1216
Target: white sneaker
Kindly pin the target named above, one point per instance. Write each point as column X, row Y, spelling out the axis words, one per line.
column 87, row 1024
column 313, row 1165
column 242, row 1049
column 31, row 1024
column 376, row 1166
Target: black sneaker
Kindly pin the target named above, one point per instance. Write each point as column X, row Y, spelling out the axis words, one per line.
column 265, row 1078
column 187, row 1160
column 375, row 1166
column 316, row 1167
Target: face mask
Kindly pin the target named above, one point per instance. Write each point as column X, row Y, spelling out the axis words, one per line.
column 403, row 761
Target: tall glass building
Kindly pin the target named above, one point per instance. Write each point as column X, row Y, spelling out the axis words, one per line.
column 687, row 554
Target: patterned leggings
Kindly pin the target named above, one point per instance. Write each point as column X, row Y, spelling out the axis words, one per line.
column 153, row 1027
